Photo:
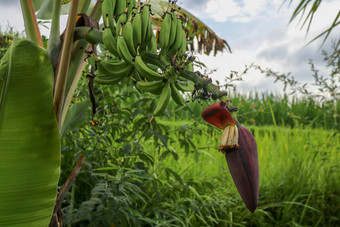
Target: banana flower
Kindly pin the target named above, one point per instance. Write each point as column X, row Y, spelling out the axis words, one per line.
column 239, row 147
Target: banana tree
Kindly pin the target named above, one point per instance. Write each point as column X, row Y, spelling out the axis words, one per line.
column 145, row 42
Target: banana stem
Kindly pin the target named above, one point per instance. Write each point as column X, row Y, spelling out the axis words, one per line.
column 77, row 65
column 93, row 36
column 54, row 43
column 202, row 82
column 64, row 62
column 31, row 25
column 97, row 10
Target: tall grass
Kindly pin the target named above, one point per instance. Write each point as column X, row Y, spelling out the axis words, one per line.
column 299, row 175
column 186, row 181
column 288, row 111
column 169, row 172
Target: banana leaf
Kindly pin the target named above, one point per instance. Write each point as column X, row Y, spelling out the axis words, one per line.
column 75, row 116
column 44, row 8
column 29, row 137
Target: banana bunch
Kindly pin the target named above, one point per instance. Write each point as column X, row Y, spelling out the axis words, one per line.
column 165, row 85
column 130, row 25
column 172, row 37
column 128, row 35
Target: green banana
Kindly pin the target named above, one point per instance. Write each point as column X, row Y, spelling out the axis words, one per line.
column 152, row 44
column 164, row 34
column 120, row 7
column 173, row 29
column 151, row 86
column 152, row 66
column 123, row 50
column 128, row 37
column 121, row 20
column 150, row 33
column 183, row 46
column 145, row 71
column 135, row 75
column 180, row 35
column 137, row 29
column 107, row 80
column 110, row 72
column 185, row 86
column 176, row 96
column 110, row 42
column 154, row 59
column 114, row 69
column 163, row 100
column 130, row 4
column 108, row 7
column 145, row 14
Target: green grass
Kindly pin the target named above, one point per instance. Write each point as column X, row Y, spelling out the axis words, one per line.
column 191, row 186
column 299, row 173
column 170, row 173
column 288, row 111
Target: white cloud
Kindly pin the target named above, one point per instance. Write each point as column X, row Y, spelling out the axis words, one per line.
column 268, row 41
column 237, row 11
column 259, row 31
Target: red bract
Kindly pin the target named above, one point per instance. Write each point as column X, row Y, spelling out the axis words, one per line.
column 239, row 147
column 218, row 115
column 244, row 168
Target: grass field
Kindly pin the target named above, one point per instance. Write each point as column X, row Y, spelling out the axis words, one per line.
column 189, row 184
column 170, row 173
column 299, row 174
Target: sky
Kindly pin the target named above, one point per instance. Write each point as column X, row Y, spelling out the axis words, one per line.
column 258, row 31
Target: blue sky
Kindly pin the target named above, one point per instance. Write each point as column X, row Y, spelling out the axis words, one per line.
column 257, row 31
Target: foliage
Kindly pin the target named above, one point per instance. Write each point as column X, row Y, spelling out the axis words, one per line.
column 135, row 173
column 311, row 7
column 169, row 173
column 29, row 138
column 259, row 108
column 6, row 37
column 65, row 58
